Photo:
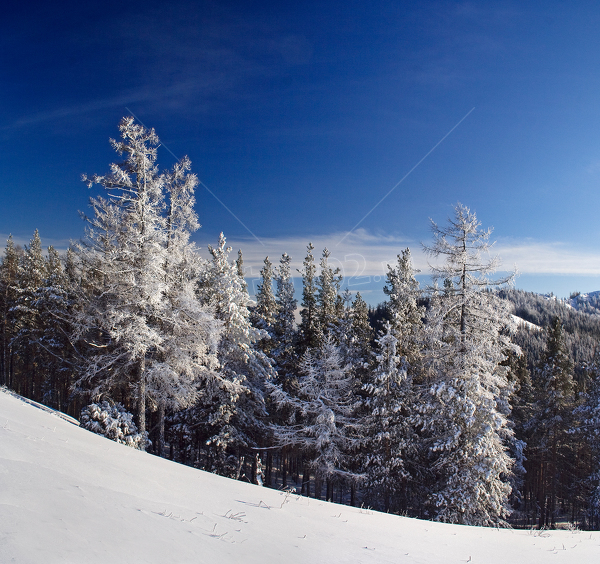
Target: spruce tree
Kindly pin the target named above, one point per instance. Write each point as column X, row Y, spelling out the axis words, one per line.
column 146, row 338
column 389, row 437
column 458, row 413
column 310, row 329
column 8, row 296
column 232, row 410
column 549, row 447
column 328, row 286
column 321, row 421
column 264, row 313
column 406, row 316
column 284, row 325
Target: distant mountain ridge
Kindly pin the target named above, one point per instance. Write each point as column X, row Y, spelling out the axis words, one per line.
column 586, row 303
column 580, row 315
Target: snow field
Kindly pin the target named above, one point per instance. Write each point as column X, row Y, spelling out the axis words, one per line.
column 67, row 495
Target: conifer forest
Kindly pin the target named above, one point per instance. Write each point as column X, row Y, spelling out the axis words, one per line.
column 464, row 401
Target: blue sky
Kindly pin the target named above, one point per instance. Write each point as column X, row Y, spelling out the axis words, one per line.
column 301, row 117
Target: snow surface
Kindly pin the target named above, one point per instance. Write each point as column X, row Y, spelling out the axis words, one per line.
column 67, row 495
column 527, row 324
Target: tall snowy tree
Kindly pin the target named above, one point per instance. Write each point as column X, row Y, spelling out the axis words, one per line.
column 8, row 294
column 458, row 412
column 28, row 329
column 53, row 301
column 328, row 286
column 389, row 436
column 127, row 320
column 264, row 313
column 310, row 328
column 234, row 408
column 321, row 423
column 284, row 324
column 549, row 447
column 405, row 314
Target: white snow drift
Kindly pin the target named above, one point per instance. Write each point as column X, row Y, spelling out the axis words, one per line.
column 67, row 495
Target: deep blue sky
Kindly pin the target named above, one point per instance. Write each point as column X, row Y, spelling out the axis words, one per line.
column 301, row 116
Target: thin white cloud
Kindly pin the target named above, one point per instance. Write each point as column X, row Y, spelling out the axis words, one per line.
column 535, row 257
column 366, row 254
column 362, row 254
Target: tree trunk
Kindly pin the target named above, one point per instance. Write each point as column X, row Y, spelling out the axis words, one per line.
column 161, row 429
column 141, row 406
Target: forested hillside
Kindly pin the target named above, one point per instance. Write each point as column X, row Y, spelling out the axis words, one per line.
column 436, row 405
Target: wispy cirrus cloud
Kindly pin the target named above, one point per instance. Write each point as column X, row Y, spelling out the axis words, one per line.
column 365, row 254
column 536, row 257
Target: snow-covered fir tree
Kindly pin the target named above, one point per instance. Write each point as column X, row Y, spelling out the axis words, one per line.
column 406, row 316
column 328, row 286
column 284, row 324
column 233, row 409
column 549, row 446
column 309, row 331
column 322, row 423
column 187, row 360
column 458, row 413
column 264, row 313
column 389, row 436
column 147, row 340
column 28, row 326
column 112, row 421
column 9, row 269
column 54, row 300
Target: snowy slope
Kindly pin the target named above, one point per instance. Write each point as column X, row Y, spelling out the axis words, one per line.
column 589, row 302
column 524, row 323
column 67, row 495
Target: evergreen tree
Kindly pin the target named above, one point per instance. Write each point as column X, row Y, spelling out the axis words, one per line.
column 28, row 329
column 321, row 423
column 310, row 330
column 549, row 447
column 8, row 296
column 284, row 324
column 406, row 316
column 389, row 436
column 328, row 286
column 465, row 430
column 134, row 312
column 53, row 302
column 265, row 311
column 233, row 409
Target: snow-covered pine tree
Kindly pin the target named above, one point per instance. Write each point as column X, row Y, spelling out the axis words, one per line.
column 264, row 313
column 361, row 329
column 30, row 275
column 284, row 324
column 389, row 439
column 405, row 314
column 8, row 294
column 322, row 423
column 187, row 359
column 309, row 331
column 328, row 285
column 147, row 338
column 458, row 412
column 53, row 301
column 123, row 258
column 550, row 444
column 233, row 409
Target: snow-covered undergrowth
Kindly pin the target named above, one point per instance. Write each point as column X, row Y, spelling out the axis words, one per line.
column 68, row 495
column 112, row 421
